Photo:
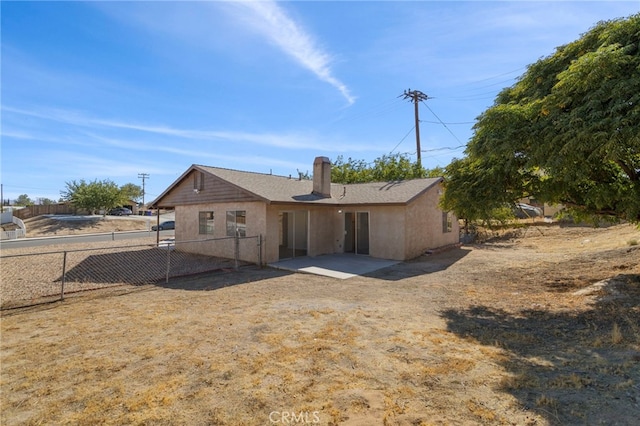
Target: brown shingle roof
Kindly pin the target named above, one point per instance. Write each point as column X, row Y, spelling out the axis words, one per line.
column 282, row 189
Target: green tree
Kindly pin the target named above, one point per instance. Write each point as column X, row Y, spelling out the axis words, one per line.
column 45, row 201
column 351, row 171
column 475, row 191
column 436, row 172
column 567, row 132
column 387, row 168
column 24, row 200
column 131, row 191
column 95, row 195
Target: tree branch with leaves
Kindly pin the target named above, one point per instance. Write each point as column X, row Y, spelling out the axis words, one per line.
column 567, row 132
column 98, row 195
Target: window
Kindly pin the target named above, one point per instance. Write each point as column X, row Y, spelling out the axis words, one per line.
column 237, row 220
column 205, row 222
column 447, row 222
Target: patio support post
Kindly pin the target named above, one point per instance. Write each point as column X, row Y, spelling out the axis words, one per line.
column 237, row 248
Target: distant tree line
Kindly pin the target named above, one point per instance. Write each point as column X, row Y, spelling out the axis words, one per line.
column 93, row 196
column 25, row 200
column 391, row 167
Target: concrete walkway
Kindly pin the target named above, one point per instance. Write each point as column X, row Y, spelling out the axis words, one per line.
column 341, row 266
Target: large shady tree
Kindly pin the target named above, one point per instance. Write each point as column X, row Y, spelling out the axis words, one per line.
column 567, row 132
column 99, row 195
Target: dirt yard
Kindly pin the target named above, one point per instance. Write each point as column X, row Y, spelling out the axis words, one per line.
column 540, row 325
column 42, row 226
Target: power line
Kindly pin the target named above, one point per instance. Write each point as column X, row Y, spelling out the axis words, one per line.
column 480, row 97
column 498, row 83
column 451, row 124
column 444, row 148
column 402, row 140
column 470, row 83
column 499, row 75
column 442, row 122
column 469, row 89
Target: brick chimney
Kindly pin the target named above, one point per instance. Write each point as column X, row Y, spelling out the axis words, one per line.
column 322, row 177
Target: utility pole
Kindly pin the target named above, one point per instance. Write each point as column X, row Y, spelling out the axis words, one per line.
column 143, row 176
column 416, row 96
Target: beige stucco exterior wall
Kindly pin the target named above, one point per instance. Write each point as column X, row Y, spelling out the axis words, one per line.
column 386, row 230
column 395, row 231
column 323, row 235
column 187, row 229
column 424, row 228
column 322, row 223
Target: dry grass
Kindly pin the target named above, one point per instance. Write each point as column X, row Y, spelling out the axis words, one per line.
column 41, row 226
column 616, row 335
column 489, row 334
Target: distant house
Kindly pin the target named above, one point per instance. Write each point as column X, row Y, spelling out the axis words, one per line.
column 299, row 217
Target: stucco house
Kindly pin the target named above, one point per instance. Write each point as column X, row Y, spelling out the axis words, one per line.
column 302, row 217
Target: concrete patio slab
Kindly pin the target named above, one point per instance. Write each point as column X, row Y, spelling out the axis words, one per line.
column 340, row 266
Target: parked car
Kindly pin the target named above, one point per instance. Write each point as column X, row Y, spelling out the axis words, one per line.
column 120, row 211
column 169, row 224
column 525, row 211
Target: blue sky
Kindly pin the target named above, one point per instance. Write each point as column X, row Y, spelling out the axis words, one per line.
column 109, row 90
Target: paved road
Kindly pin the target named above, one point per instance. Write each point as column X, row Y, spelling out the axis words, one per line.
column 84, row 238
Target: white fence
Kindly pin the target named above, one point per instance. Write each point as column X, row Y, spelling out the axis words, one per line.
column 15, row 234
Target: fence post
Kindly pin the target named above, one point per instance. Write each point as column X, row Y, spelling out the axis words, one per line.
column 166, row 280
column 237, row 248
column 64, row 274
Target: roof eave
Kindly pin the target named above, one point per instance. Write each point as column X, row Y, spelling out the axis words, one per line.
column 156, row 203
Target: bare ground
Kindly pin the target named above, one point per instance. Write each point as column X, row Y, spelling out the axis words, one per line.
column 42, row 226
column 540, row 325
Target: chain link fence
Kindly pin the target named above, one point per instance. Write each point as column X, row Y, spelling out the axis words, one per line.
column 31, row 278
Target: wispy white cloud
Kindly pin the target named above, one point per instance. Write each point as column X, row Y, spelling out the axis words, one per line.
column 266, row 18
column 200, row 154
column 271, row 20
column 88, row 165
column 287, row 140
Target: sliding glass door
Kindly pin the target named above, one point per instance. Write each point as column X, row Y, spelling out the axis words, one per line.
column 356, row 232
column 293, row 234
